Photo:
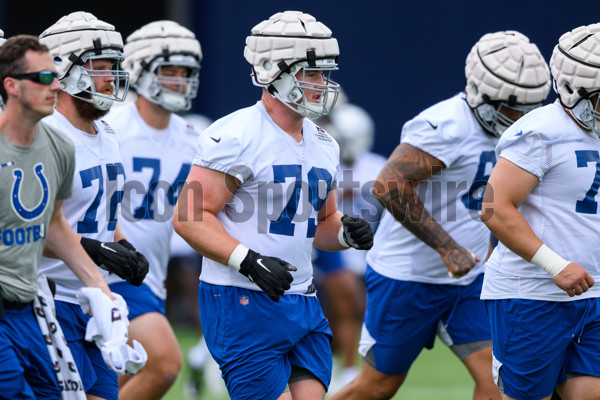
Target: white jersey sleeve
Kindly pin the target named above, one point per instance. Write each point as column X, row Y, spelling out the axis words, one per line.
column 222, row 153
column 93, row 209
column 435, row 134
column 525, row 149
column 283, row 185
column 562, row 209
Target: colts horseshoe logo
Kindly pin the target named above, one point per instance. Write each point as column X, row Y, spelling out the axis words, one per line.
column 24, row 213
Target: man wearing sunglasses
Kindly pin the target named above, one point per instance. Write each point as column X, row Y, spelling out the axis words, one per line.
column 36, row 176
column 87, row 52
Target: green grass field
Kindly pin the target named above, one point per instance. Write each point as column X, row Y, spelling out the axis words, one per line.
column 437, row 374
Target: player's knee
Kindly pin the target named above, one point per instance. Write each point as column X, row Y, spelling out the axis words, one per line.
column 166, row 368
column 385, row 391
column 173, row 367
column 168, row 374
column 382, row 390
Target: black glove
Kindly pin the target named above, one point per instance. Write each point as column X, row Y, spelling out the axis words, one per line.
column 269, row 273
column 142, row 264
column 112, row 257
column 357, row 233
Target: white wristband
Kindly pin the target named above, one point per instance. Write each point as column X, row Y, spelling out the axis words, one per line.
column 549, row 261
column 341, row 238
column 237, row 256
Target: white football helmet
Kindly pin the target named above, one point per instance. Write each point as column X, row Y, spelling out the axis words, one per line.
column 354, row 130
column 505, row 70
column 156, row 45
column 575, row 65
column 285, row 44
column 80, row 37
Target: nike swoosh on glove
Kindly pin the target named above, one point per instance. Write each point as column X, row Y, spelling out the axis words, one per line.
column 111, row 256
column 271, row 274
column 356, row 232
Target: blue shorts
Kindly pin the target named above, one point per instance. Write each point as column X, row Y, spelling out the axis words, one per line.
column 256, row 341
column 326, row 262
column 402, row 318
column 536, row 343
column 26, row 370
column 97, row 378
column 140, row 299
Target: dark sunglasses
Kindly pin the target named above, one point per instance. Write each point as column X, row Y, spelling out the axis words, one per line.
column 43, row 77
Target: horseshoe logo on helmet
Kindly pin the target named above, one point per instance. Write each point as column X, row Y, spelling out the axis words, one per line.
column 24, row 212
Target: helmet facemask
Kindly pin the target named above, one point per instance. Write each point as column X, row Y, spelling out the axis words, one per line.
column 77, row 42
column 497, row 116
column 284, row 50
column 576, row 73
column 158, row 88
column 586, row 111
column 80, row 79
column 291, row 88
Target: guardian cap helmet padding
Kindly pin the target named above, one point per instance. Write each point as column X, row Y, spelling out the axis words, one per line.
column 575, row 65
column 156, row 45
column 505, row 70
column 285, row 44
column 81, row 37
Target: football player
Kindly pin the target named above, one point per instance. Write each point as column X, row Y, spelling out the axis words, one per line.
column 158, row 147
column 425, row 271
column 87, row 52
column 260, row 193
column 543, row 306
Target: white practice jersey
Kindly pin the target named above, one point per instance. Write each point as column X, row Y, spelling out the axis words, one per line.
column 157, row 163
column 283, row 185
column 449, row 132
column 97, row 188
column 356, row 199
column 562, row 209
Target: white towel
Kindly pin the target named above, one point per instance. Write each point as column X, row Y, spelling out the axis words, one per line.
column 64, row 365
column 108, row 329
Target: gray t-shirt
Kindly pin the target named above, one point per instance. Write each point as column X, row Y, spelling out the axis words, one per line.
column 31, row 179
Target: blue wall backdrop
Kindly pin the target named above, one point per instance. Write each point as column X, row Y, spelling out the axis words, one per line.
column 396, row 57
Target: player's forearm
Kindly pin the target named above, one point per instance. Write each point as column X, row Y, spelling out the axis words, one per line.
column 205, row 234
column 62, row 242
column 326, row 235
column 119, row 233
column 406, row 207
column 511, row 228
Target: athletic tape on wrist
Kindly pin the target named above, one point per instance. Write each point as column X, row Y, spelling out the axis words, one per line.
column 549, row 261
column 237, row 256
column 341, row 238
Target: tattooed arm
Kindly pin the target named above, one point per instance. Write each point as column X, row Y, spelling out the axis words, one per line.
column 396, row 189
